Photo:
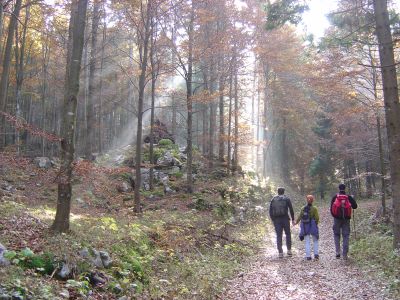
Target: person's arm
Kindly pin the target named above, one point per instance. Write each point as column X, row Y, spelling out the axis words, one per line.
column 333, row 200
column 270, row 208
column 353, row 202
column 300, row 216
column 290, row 209
column 316, row 215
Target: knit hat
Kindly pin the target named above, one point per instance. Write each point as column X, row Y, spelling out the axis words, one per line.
column 342, row 187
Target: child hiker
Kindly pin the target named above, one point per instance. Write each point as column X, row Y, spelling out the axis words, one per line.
column 309, row 227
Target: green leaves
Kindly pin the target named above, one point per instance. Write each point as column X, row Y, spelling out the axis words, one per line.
column 284, row 11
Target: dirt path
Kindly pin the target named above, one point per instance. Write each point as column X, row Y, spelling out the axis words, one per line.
column 269, row 277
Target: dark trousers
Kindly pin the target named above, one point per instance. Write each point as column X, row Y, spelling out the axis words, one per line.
column 282, row 224
column 341, row 227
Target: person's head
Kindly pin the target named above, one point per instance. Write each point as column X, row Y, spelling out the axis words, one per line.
column 342, row 187
column 281, row 191
column 310, row 199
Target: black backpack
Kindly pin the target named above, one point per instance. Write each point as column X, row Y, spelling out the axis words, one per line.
column 279, row 206
column 306, row 218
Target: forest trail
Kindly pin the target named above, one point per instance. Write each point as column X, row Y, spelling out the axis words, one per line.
column 269, row 277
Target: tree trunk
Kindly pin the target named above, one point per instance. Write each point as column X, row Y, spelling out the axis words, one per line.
column 6, row 64
column 153, row 97
column 382, row 164
column 229, row 157
column 100, row 111
column 236, row 132
column 90, row 113
column 142, row 85
column 392, row 107
column 221, row 148
column 74, row 59
column 189, row 103
column 19, row 64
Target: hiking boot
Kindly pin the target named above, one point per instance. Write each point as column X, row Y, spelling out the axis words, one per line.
column 289, row 253
column 316, row 257
column 308, row 258
column 337, row 256
column 280, row 255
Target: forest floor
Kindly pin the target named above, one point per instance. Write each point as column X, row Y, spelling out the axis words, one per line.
column 269, row 277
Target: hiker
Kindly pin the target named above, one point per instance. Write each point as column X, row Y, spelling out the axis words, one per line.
column 278, row 211
column 309, row 219
column 341, row 206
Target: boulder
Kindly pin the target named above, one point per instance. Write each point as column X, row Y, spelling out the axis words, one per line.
column 84, row 253
column 106, row 259
column 3, row 261
column 43, row 162
column 166, row 160
column 123, row 187
column 65, row 272
column 96, row 261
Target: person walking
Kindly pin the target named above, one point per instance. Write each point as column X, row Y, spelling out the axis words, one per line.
column 341, row 209
column 278, row 212
column 309, row 219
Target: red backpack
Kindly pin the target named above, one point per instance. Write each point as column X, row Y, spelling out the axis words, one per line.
column 341, row 207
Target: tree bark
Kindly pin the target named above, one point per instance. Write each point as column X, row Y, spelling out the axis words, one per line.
column 221, row 148
column 189, row 103
column 142, row 85
column 90, row 113
column 392, row 107
column 74, row 59
column 6, row 64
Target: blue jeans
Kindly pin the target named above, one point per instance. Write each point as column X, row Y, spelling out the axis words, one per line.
column 307, row 239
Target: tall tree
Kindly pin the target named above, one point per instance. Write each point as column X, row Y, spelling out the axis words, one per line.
column 392, row 107
column 7, row 62
column 90, row 113
column 73, row 68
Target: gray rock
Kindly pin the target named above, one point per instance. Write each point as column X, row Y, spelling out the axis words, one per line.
column 96, row 261
column 84, row 253
column 133, row 287
column 166, row 160
column 5, row 296
column 106, row 259
column 173, row 170
column 64, row 294
column 168, row 190
column 3, row 261
column 17, row 296
column 65, row 272
column 117, row 289
column 81, row 202
column 43, row 162
column 123, row 298
column 123, row 187
column 8, row 187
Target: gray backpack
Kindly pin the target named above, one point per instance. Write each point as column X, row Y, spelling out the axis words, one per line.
column 279, row 206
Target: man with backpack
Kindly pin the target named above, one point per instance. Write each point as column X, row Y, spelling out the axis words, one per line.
column 278, row 211
column 341, row 208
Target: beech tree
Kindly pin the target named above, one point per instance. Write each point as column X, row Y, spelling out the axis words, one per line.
column 74, row 59
column 392, row 107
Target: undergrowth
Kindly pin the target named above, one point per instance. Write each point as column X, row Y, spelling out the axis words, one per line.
column 373, row 249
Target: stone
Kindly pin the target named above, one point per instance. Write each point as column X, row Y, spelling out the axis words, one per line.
column 168, row 190
column 123, row 187
column 123, row 298
column 97, row 279
column 81, row 203
column 106, row 259
column 166, row 160
column 84, row 253
column 133, row 287
column 16, row 296
column 43, row 162
column 64, row 294
column 117, row 289
column 3, row 261
column 5, row 296
column 96, row 261
column 173, row 170
column 65, row 272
